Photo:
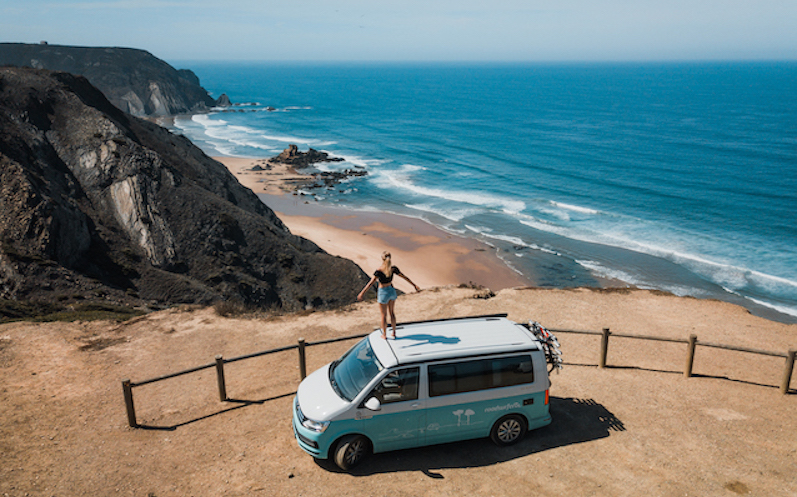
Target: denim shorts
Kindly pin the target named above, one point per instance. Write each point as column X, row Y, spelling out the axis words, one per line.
column 385, row 294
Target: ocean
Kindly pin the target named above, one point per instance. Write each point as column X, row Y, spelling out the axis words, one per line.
column 680, row 177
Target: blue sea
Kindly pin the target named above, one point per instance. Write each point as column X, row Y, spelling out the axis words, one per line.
column 680, row 177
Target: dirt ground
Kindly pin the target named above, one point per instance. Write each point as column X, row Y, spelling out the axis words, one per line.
column 638, row 427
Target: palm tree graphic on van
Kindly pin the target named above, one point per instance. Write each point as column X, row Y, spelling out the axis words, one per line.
column 467, row 412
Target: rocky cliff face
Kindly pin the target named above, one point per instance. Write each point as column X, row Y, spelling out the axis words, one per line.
column 99, row 204
column 133, row 80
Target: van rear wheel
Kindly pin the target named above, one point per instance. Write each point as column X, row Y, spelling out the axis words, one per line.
column 508, row 430
column 350, row 451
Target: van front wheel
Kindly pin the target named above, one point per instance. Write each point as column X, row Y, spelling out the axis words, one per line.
column 350, row 451
column 508, row 430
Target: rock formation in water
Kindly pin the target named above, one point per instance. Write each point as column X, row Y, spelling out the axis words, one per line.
column 133, row 80
column 316, row 179
column 98, row 204
column 298, row 159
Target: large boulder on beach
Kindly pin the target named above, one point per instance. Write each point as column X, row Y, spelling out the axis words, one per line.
column 133, row 80
column 100, row 205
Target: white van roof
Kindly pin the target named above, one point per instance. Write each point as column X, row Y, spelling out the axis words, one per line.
column 446, row 339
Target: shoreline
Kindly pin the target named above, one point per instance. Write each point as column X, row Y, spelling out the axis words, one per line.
column 430, row 256
column 441, row 258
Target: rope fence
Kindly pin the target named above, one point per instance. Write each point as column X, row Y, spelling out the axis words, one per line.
column 692, row 342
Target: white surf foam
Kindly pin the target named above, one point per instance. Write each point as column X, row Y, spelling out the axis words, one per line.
column 783, row 309
column 402, row 179
column 290, row 139
column 205, row 120
column 223, row 148
column 450, row 214
column 358, row 161
column 602, row 271
column 658, row 241
column 575, row 208
column 539, row 224
column 516, row 241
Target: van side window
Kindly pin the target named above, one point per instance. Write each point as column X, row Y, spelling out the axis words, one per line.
column 480, row 374
column 508, row 371
column 398, row 386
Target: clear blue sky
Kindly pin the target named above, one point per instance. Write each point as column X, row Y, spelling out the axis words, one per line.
column 410, row 30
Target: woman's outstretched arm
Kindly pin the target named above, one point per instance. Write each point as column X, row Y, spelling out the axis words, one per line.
column 417, row 288
column 362, row 293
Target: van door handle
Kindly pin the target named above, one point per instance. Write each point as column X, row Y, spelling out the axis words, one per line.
column 415, row 405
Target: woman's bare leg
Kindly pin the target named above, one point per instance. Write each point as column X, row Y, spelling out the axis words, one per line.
column 383, row 310
column 391, row 305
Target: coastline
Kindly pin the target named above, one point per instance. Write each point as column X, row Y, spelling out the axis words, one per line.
column 430, row 256
column 563, row 214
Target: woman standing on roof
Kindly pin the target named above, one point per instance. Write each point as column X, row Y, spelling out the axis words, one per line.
column 386, row 294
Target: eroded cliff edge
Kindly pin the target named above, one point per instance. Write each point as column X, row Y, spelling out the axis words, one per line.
column 99, row 204
column 133, row 80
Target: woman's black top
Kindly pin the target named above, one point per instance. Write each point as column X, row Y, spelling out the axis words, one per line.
column 384, row 279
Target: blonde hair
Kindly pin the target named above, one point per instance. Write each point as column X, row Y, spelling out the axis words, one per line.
column 387, row 266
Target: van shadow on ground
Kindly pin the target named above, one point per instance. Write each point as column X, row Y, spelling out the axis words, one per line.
column 574, row 421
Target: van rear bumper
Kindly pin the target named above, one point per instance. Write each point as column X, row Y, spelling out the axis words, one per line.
column 539, row 422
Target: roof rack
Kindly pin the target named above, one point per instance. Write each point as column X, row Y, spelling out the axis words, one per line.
column 483, row 316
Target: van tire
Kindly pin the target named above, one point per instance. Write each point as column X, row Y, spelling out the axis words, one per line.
column 508, row 430
column 350, row 451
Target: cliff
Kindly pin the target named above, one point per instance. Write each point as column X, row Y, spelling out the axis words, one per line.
column 98, row 204
column 133, row 80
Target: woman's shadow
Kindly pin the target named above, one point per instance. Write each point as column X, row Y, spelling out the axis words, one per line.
column 573, row 421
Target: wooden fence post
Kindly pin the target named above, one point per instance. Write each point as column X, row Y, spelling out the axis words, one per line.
column 302, row 360
column 690, row 356
column 604, row 347
column 220, row 378
column 127, row 388
column 784, row 386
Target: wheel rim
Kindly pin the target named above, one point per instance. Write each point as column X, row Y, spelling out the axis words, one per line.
column 509, row 430
column 354, row 451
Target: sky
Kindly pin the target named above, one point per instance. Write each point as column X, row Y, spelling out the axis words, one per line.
column 410, row 30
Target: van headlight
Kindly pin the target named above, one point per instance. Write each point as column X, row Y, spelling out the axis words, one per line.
column 317, row 426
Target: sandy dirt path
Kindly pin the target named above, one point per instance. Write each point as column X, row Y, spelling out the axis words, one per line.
column 636, row 428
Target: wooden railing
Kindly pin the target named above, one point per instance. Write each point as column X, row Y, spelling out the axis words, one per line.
column 301, row 345
column 692, row 342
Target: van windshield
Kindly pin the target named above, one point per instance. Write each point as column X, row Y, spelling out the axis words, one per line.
column 352, row 372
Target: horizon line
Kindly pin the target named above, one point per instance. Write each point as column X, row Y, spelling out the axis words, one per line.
column 490, row 62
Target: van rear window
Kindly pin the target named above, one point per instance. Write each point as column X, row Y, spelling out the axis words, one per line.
column 479, row 374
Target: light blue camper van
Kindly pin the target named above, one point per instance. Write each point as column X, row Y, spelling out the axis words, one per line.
column 439, row 381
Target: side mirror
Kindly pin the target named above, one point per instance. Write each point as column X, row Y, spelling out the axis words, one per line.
column 373, row 404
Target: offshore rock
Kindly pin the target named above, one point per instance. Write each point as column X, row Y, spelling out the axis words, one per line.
column 298, row 159
column 133, row 80
column 316, row 179
column 223, row 101
column 98, row 204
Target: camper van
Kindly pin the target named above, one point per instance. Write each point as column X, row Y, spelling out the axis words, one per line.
column 438, row 381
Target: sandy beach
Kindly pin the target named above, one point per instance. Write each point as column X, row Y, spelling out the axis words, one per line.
column 429, row 256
